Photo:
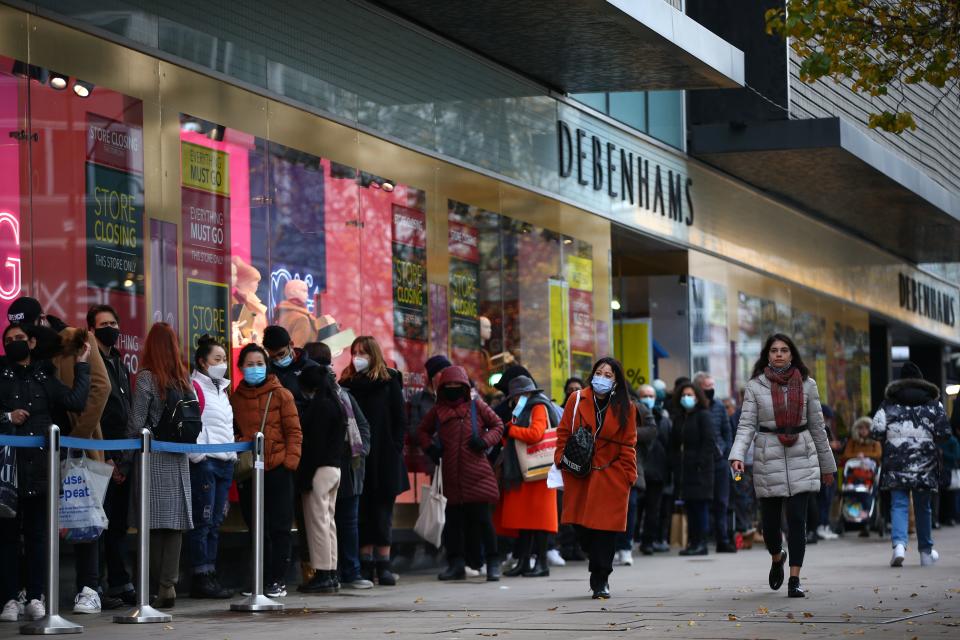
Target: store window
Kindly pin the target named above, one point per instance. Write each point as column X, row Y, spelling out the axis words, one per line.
column 659, row 114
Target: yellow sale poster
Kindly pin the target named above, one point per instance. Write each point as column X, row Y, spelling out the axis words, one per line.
column 559, row 337
column 633, row 344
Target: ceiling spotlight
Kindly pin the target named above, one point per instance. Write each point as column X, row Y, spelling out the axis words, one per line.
column 568, row 241
column 216, row 133
column 615, row 304
column 192, row 126
column 58, row 81
column 387, row 186
column 83, row 89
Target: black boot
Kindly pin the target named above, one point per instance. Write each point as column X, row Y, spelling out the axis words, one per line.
column 776, row 571
column 522, row 552
column 205, row 585
column 385, row 577
column 599, row 586
column 493, row 570
column 322, row 582
column 793, row 588
column 367, row 568
column 456, row 570
column 541, row 569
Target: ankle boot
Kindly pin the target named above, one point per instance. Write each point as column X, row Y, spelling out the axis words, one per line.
column 793, row 588
column 367, row 567
column 522, row 553
column 385, row 577
column 322, row 582
column 456, row 570
column 306, row 572
column 493, row 570
column 541, row 569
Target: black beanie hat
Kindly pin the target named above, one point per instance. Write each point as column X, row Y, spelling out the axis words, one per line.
column 275, row 337
column 436, row 364
column 24, row 310
column 910, row 370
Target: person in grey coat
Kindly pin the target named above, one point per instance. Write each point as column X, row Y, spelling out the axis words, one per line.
column 163, row 372
column 782, row 414
column 909, row 424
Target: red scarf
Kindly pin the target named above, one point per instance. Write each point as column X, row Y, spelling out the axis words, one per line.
column 787, row 391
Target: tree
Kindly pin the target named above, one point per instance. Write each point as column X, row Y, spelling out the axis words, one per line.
column 876, row 45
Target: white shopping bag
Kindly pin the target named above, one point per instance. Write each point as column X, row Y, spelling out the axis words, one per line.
column 83, row 488
column 554, row 478
column 433, row 511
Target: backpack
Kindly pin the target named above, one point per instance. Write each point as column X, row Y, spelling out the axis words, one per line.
column 180, row 419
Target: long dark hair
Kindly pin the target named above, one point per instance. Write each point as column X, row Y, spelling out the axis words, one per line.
column 678, row 393
column 620, row 396
column 764, row 358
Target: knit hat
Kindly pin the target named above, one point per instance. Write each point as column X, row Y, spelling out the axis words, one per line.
column 24, row 310
column 275, row 337
column 512, row 372
column 436, row 364
column 910, row 370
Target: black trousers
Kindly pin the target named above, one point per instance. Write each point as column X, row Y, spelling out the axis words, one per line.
column 277, row 520
column 117, row 506
column 376, row 520
column 600, row 546
column 468, row 529
column 771, row 518
column 651, row 513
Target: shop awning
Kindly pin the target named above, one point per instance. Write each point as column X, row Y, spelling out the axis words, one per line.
column 835, row 170
column 578, row 46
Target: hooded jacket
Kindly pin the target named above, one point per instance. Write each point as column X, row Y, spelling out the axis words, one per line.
column 467, row 474
column 217, row 416
column 298, row 321
column 909, row 424
column 282, row 435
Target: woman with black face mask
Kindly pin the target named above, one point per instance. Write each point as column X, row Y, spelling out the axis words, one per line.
column 464, row 428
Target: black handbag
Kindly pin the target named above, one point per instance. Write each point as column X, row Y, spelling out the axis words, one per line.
column 577, row 456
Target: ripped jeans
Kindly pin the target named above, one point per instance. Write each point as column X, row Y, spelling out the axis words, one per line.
column 210, row 483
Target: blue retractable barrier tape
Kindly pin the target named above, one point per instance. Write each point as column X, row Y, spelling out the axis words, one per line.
column 23, row 442
column 179, row 447
column 129, row 444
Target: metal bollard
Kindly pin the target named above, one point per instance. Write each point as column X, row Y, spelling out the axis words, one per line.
column 143, row 613
column 256, row 601
column 52, row 623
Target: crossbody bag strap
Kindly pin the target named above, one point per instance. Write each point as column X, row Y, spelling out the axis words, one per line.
column 266, row 410
column 473, row 417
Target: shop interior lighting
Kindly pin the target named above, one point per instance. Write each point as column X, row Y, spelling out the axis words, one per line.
column 953, row 389
column 83, row 89
column 568, row 241
column 192, row 126
column 216, row 134
column 494, row 378
column 615, row 304
column 30, row 71
column 128, row 283
column 58, row 81
column 900, row 353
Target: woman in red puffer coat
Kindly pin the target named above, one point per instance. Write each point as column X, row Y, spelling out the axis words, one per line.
column 462, row 428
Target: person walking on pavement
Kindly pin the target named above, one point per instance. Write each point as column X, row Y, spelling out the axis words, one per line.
column 163, row 373
column 597, row 502
column 104, row 323
column 379, row 392
column 211, row 474
column 656, row 470
column 260, row 402
column 29, row 398
column 910, row 422
column 781, row 411
column 460, row 429
column 723, row 437
column 527, row 509
column 692, row 449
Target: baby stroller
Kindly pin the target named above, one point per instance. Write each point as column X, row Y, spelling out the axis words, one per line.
column 859, row 496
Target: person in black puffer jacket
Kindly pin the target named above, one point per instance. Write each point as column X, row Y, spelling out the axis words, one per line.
column 656, row 470
column 692, row 449
column 29, row 395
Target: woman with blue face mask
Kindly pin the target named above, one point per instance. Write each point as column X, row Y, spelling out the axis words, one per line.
column 692, row 448
column 261, row 402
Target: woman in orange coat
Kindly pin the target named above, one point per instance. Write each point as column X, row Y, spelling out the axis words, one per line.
column 597, row 503
column 527, row 507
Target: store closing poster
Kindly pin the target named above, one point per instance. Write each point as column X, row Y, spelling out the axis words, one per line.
column 464, row 294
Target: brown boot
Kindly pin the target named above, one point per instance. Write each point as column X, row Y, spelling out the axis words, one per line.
column 306, row 572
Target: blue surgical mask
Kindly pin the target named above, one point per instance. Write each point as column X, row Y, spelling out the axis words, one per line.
column 285, row 361
column 601, row 385
column 688, row 402
column 521, row 403
column 254, row 375
column 649, row 402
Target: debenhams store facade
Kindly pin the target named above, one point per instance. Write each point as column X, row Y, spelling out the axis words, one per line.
column 423, row 195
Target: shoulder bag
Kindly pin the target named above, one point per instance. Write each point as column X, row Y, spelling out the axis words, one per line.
column 578, row 453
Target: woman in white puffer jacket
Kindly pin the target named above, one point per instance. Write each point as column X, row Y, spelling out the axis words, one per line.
column 211, row 474
column 782, row 416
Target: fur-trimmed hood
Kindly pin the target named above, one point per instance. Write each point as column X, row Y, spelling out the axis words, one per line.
column 912, row 392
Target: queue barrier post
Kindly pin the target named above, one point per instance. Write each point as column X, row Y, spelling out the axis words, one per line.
column 256, row 601
column 52, row 623
column 143, row 613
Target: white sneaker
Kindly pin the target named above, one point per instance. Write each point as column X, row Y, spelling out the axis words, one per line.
column 11, row 611
column 626, row 557
column 929, row 559
column 898, row 553
column 554, row 559
column 473, row 573
column 830, row 533
column 87, row 601
column 35, row 610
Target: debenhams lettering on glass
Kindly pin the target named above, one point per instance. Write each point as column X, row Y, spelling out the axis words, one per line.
column 927, row 301
column 626, row 175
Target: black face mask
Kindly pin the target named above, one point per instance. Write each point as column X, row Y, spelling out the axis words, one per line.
column 710, row 393
column 454, row 393
column 17, row 351
column 107, row 336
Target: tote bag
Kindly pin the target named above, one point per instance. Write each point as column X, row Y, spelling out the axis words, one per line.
column 536, row 459
column 433, row 510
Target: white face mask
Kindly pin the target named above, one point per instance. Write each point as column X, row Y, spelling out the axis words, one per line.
column 217, row 371
column 360, row 363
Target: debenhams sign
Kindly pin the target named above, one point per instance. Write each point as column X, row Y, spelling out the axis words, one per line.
column 625, row 175
column 929, row 302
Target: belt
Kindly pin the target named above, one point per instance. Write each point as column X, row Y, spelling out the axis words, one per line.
column 783, row 430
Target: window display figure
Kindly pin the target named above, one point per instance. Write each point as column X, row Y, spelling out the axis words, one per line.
column 248, row 313
column 294, row 316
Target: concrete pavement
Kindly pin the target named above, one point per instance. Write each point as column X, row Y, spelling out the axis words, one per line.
column 851, row 592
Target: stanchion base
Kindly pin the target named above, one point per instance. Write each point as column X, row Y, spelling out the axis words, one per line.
column 256, row 603
column 50, row 626
column 143, row 615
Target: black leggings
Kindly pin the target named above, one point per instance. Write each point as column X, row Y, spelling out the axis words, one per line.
column 771, row 516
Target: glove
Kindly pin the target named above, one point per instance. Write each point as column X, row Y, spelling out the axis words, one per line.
column 434, row 451
column 477, row 444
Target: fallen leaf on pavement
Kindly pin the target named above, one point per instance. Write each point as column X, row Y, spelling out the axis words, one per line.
column 907, row 611
column 731, row 617
column 807, row 614
column 418, row 600
column 552, row 609
column 789, row 616
column 691, row 623
column 763, row 611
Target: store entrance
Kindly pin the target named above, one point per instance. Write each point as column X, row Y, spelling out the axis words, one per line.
column 651, row 330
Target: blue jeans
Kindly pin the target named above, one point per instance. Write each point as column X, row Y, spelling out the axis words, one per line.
column 209, row 483
column 698, row 519
column 348, row 538
column 900, row 503
column 625, row 539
